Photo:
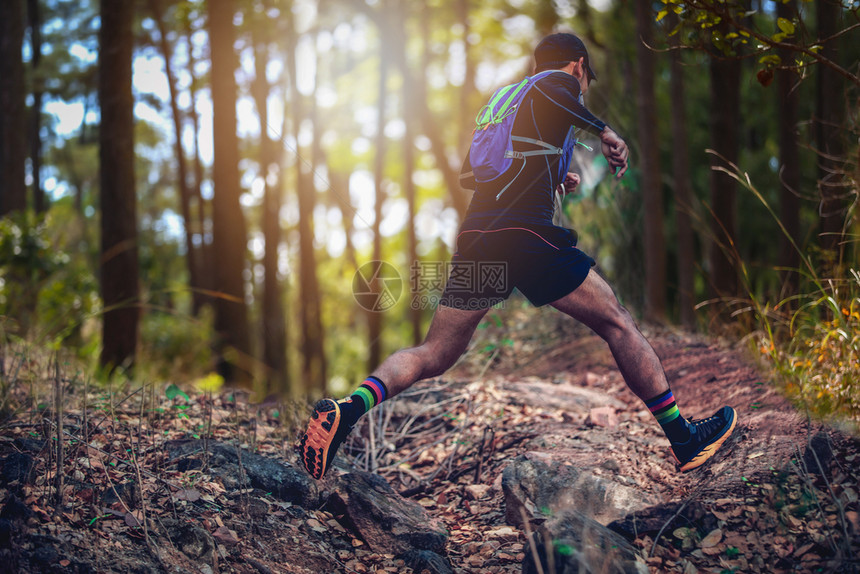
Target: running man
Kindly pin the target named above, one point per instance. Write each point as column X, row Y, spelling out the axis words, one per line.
column 510, row 220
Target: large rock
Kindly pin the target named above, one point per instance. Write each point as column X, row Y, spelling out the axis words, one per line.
column 543, row 485
column 279, row 478
column 666, row 518
column 386, row 521
column 552, row 396
column 570, row 543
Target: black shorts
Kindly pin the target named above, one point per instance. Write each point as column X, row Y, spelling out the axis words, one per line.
column 541, row 261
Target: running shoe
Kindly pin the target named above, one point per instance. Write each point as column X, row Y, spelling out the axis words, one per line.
column 706, row 437
column 326, row 431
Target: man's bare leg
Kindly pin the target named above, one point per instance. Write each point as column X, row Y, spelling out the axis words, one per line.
column 449, row 335
column 594, row 304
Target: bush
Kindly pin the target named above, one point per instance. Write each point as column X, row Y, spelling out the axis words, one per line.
column 175, row 346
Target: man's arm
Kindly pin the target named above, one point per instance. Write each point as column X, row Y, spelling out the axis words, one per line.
column 616, row 151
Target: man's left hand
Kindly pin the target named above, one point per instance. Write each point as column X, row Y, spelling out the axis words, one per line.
column 570, row 184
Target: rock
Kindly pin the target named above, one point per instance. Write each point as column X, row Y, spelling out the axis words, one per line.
column 426, row 561
column 602, row 416
column 279, row 478
column 543, row 486
column 476, row 491
column 579, row 544
column 192, row 540
column 18, row 466
column 45, row 555
column 818, row 454
column 15, row 509
column 386, row 521
column 649, row 521
column 127, row 492
column 565, row 397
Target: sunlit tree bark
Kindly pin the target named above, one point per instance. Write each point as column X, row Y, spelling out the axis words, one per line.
column 184, row 192
column 310, row 315
column 273, row 317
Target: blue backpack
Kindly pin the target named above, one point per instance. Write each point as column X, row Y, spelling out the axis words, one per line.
column 491, row 153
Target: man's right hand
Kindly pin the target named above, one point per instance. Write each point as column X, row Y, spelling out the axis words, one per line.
column 615, row 150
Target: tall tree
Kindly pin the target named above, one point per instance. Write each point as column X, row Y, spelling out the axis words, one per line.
column 34, row 13
column 119, row 247
column 310, row 308
column 13, row 134
column 683, row 186
column 228, row 221
column 374, row 317
column 830, row 115
column 409, row 112
column 205, row 259
column 725, row 118
column 273, row 318
column 789, row 160
column 652, row 193
column 184, row 192
column 431, row 124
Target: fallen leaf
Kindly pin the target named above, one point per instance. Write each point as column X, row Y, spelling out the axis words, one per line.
column 134, row 519
column 226, row 535
column 189, row 494
column 712, row 539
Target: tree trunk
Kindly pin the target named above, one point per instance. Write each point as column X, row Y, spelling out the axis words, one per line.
column 829, row 133
column 119, row 260
column 430, row 125
column 725, row 118
column 228, row 221
column 313, row 355
column 409, row 112
column 35, row 15
column 789, row 159
column 13, row 134
column 652, row 193
column 181, row 170
column 374, row 317
column 273, row 320
column 683, row 190
column 205, row 263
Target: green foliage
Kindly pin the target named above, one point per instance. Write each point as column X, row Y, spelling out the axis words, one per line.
column 27, row 262
column 818, row 361
column 174, row 346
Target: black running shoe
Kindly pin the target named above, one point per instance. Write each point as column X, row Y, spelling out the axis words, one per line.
column 324, row 435
column 706, row 437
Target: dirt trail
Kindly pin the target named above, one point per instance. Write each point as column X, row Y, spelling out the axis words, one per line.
column 527, row 387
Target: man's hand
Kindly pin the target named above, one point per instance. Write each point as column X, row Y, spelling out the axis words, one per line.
column 615, row 150
column 571, row 182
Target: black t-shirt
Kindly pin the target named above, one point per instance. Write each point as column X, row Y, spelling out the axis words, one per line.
column 548, row 112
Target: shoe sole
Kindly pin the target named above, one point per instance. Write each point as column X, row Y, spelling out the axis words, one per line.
column 711, row 449
column 316, row 441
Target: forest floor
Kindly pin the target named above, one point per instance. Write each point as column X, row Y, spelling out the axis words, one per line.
column 444, row 444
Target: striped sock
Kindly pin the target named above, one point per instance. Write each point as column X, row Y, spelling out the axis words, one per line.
column 369, row 394
column 666, row 412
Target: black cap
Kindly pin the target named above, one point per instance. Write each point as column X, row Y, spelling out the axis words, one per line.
column 561, row 48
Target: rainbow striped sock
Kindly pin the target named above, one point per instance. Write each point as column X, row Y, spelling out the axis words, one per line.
column 369, row 394
column 666, row 412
